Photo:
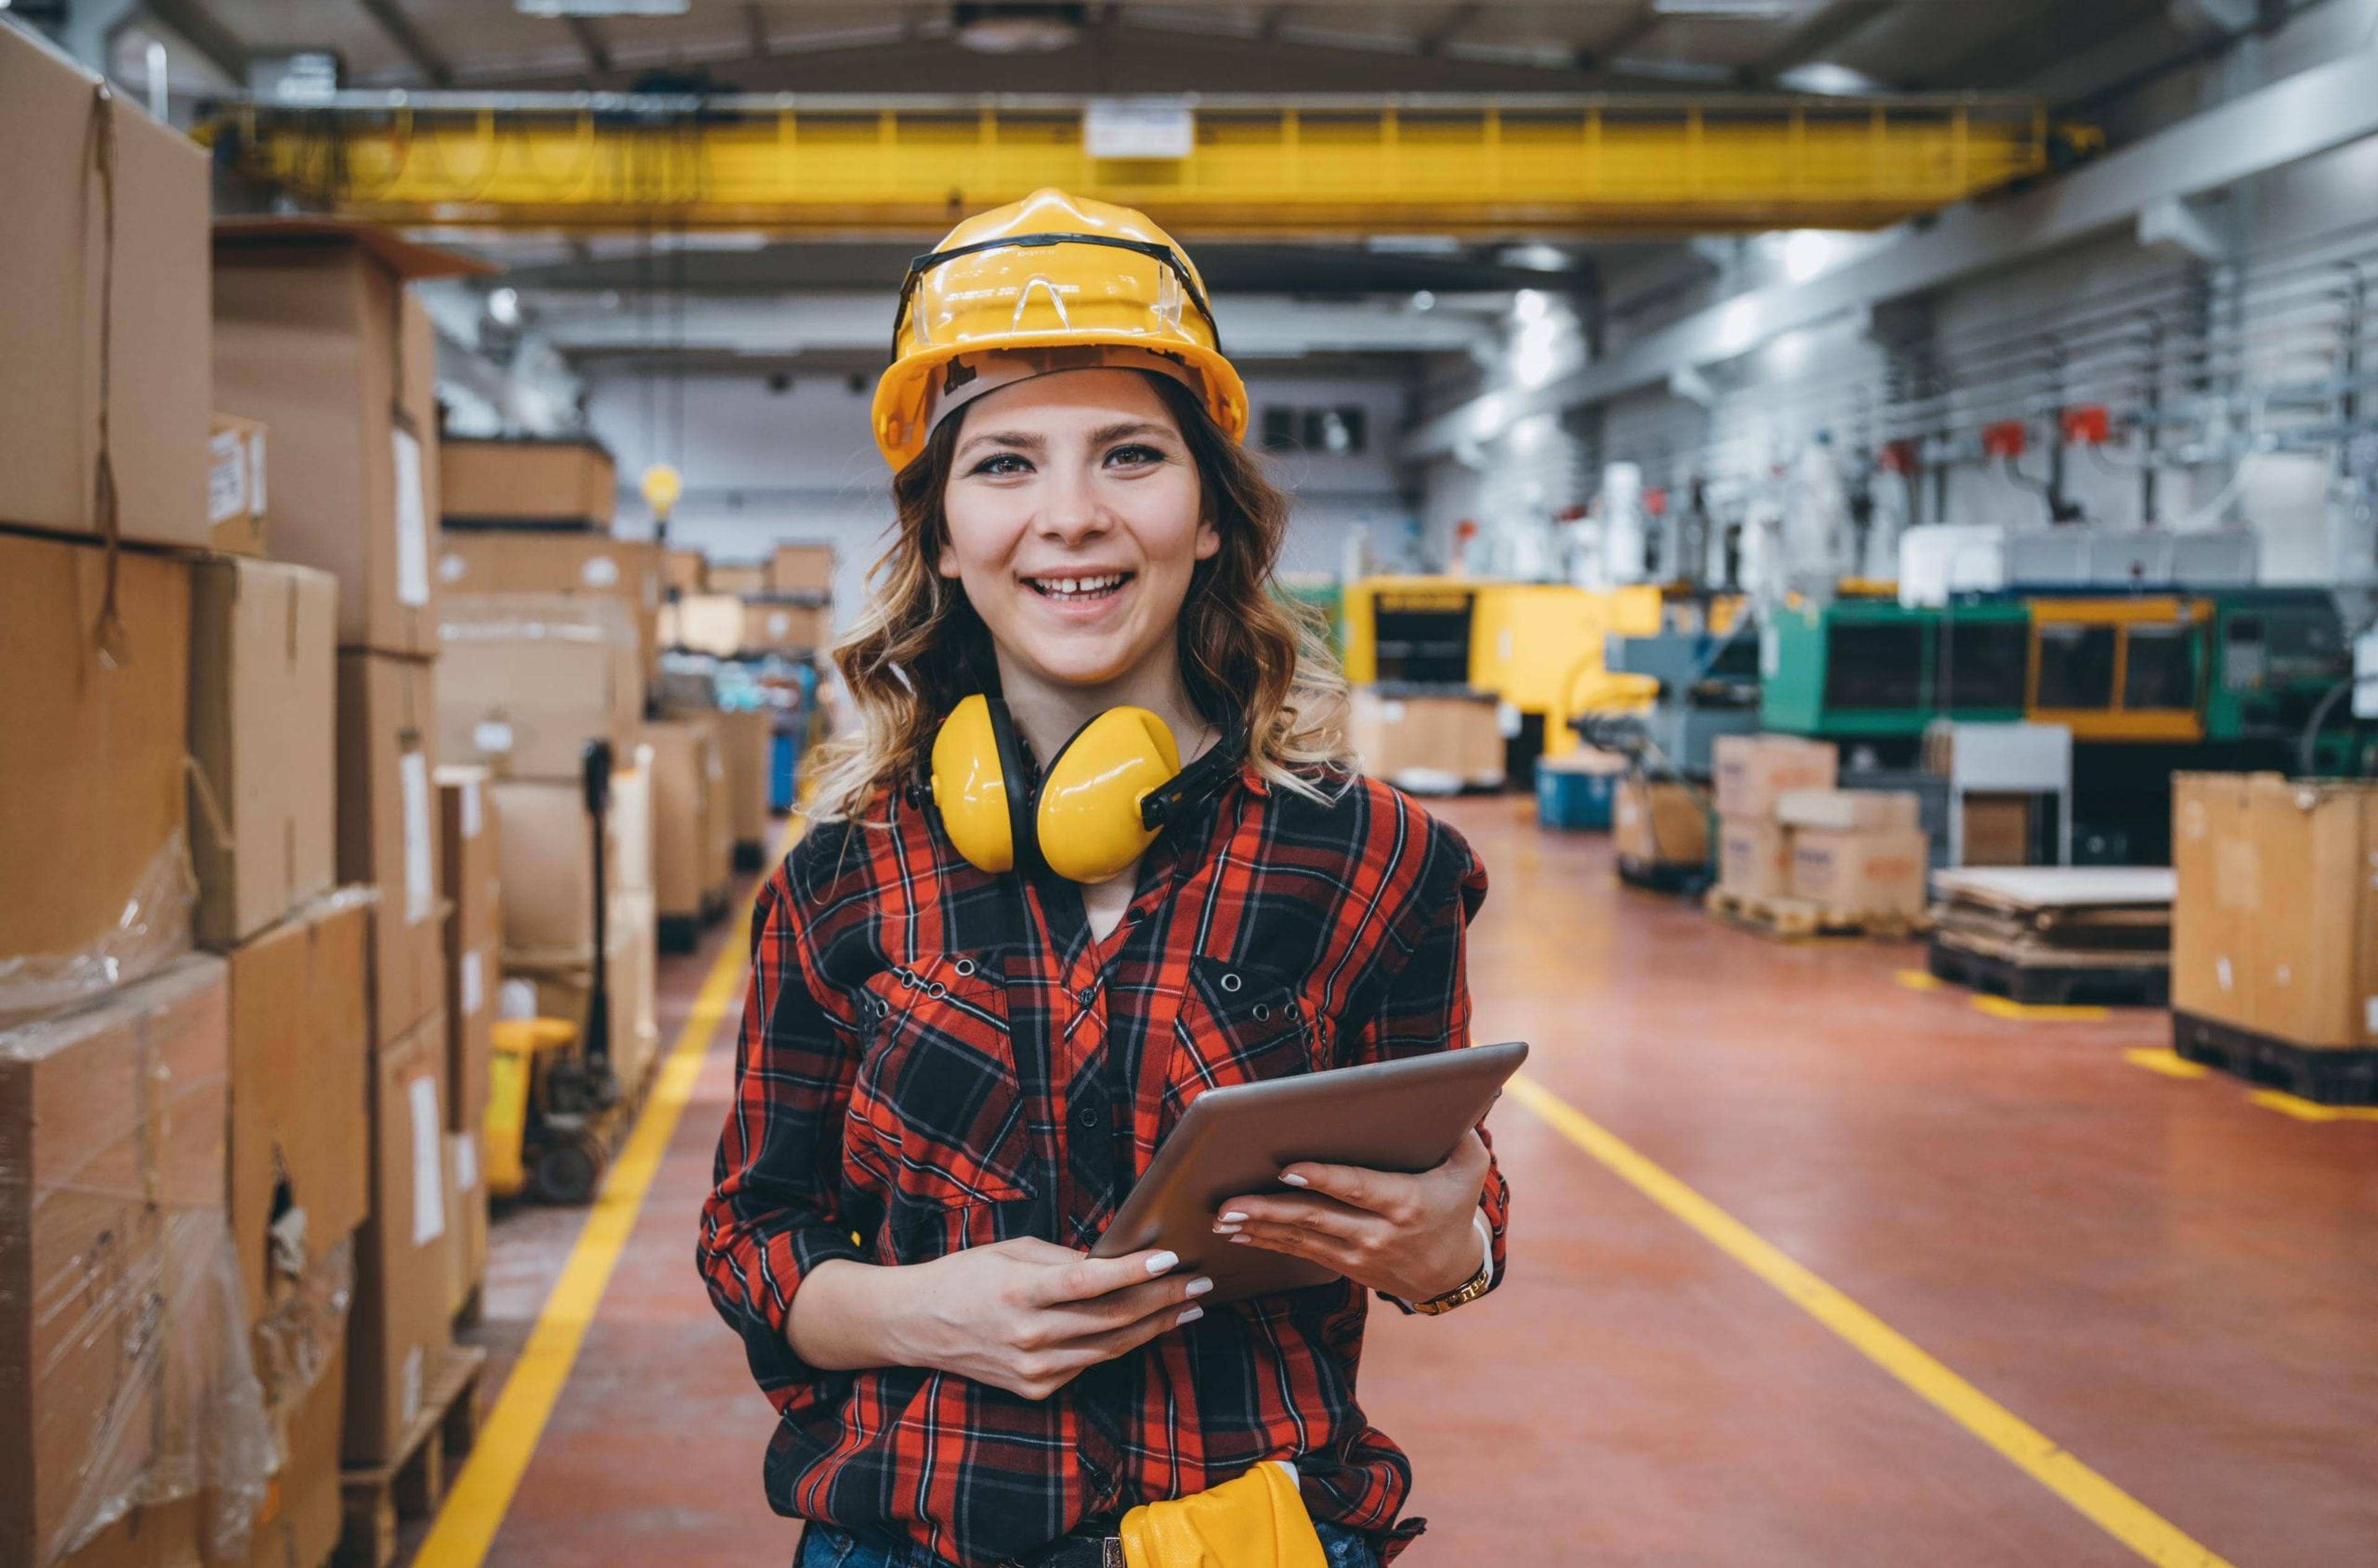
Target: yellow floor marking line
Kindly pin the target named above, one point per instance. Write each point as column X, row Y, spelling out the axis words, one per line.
column 2163, row 1060
column 2105, row 1504
column 2020, row 1013
column 1917, row 980
column 483, row 1493
column 2309, row 1110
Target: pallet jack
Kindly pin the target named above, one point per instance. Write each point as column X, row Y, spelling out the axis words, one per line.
column 553, row 1097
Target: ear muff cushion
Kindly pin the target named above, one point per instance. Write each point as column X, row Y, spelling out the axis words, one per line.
column 1086, row 823
column 972, row 782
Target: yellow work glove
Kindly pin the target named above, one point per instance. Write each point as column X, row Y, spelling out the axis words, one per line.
column 1256, row 1521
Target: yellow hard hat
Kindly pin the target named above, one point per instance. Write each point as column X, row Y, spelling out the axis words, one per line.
column 1085, row 283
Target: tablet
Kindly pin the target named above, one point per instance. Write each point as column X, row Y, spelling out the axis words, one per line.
column 1406, row 1114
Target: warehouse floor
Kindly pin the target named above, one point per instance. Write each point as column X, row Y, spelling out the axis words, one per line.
column 1857, row 1234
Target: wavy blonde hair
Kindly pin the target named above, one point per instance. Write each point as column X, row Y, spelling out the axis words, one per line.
column 1246, row 651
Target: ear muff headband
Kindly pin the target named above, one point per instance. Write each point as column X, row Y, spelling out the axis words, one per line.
column 975, row 781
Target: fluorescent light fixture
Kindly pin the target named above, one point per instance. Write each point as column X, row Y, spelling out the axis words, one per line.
column 1536, row 257
column 1529, row 304
column 1412, row 245
column 1829, row 80
column 1727, row 10
column 1806, row 252
column 1423, row 300
column 592, row 8
column 504, row 305
column 1738, row 327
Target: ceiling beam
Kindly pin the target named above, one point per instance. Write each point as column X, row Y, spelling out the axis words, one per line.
column 204, row 31
column 1273, row 21
column 2030, row 43
column 1809, row 40
column 390, row 15
column 1597, row 55
column 591, row 44
column 755, row 29
column 2298, row 117
column 1449, row 27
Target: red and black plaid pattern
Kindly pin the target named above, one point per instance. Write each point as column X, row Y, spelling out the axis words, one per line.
column 935, row 1057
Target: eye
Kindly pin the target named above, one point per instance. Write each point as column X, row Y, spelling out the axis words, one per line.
column 1135, row 454
column 1001, row 463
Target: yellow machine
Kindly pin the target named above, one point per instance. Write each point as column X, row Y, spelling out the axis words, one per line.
column 2120, row 669
column 519, row 1138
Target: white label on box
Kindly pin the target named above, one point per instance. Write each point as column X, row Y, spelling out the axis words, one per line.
column 780, row 623
column 471, row 808
column 451, row 568
column 473, row 983
column 226, row 478
column 466, row 1162
column 1506, row 720
column 412, row 525
column 2221, row 971
column 491, row 734
column 420, row 877
column 429, row 1161
column 256, row 474
column 412, row 1384
column 600, row 572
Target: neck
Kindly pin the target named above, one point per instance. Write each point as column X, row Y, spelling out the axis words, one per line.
column 1047, row 712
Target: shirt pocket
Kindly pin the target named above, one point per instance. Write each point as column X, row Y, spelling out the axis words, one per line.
column 937, row 1109
column 1238, row 1024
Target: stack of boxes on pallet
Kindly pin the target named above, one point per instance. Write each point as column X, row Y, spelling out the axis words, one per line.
column 2274, row 930
column 784, row 604
column 223, row 1075
column 1794, row 849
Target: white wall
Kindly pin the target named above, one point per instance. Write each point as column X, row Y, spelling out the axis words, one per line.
column 761, row 468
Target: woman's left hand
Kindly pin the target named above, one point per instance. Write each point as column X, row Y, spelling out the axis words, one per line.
column 1410, row 1237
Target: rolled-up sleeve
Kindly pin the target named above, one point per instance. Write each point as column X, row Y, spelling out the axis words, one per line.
column 1424, row 993
column 771, row 1216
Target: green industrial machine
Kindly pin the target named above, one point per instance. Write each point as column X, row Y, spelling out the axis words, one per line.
column 2277, row 651
column 1864, row 669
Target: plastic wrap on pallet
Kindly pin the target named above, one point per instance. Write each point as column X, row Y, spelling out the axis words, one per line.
column 152, row 927
column 140, row 1388
column 535, row 617
column 296, row 1340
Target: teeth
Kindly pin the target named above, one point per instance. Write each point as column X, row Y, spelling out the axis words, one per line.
column 1066, row 587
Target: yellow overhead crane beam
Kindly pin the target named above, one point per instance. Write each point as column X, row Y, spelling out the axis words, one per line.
column 805, row 164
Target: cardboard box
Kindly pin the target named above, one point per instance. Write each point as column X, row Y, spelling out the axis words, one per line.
column 300, row 1069
column 401, row 1329
column 2275, row 929
column 689, row 823
column 236, row 490
column 738, row 577
column 1453, row 732
column 106, row 1111
column 631, row 866
column 1754, row 857
column 1659, row 822
column 466, row 1234
column 1850, row 809
column 387, row 829
column 725, row 626
column 1997, row 830
column 528, row 679
column 92, row 785
column 1864, row 871
column 744, row 738
column 471, row 868
column 556, row 483
column 55, row 294
column 564, row 987
column 801, row 569
column 1754, row 772
column 263, row 735
column 299, row 1523
column 317, row 335
column 687, row 572
column 546, row 864
column 579, row 565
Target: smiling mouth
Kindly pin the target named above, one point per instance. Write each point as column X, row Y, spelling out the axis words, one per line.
column 1079, row 590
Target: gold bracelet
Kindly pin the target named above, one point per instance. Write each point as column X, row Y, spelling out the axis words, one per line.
column 1477, row 1285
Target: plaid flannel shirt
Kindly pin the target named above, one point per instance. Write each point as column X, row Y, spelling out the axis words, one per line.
column 934, row 1058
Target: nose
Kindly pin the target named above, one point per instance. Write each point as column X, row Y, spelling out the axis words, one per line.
column 1071, row 512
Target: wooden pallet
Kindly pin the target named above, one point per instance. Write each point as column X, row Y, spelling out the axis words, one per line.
column 2323, row 1075
column 375, row 1498
column 1792, row 919
column 1655, row 876
column 2051, row 978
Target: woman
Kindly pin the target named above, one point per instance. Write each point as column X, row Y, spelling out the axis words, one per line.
column 952, row 1072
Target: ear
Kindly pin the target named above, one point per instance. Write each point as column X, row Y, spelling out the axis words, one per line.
column 945, row 561
column 1209, row 539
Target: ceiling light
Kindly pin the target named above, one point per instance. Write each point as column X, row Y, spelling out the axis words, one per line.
column 1017, row 29
column 1530, row 305
column 1806, row 252
column 1412, row 245
column 1536, row 257
column 1829, row 80
column 1423, row 300
column 504, row 305
column 1738, row 327
column 1728, row 10
column 550, row 8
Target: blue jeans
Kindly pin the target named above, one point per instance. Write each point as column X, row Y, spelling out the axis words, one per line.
column 822, row 1546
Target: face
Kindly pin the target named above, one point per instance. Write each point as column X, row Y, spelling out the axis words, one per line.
column 1075, row 518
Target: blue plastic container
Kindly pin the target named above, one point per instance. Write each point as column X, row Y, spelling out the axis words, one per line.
column 783, row 757
column 1573, row 799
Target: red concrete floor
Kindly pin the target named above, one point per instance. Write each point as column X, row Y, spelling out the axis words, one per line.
column 2177, row 1285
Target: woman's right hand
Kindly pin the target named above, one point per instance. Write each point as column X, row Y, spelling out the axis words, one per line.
column 1027, row 1315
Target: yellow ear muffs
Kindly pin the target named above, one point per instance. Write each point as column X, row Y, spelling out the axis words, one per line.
column 974, row 770
column 1088, row 821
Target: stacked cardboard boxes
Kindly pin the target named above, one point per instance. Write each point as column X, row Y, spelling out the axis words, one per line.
column 2274, row 923
column 573, row 564
column 528, row 679
column 470, row 862
column 563, row 484
column 1752, row 774
column 685, row 571
column 738, row 579
column 727, row 626
column 1421, row 734
column 692, row 843
column 744, row 738
column 1785, row 833
column 1658, row 826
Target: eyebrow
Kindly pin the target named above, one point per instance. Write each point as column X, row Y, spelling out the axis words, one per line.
column 1027, row 441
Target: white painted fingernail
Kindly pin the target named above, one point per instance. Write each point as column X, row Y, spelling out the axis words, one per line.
column 1225, row 1231
column 1189, row 1316
column 1200, row 1287
column 1234, row 1217
column 1293, row 1180
column 1163, row 1262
